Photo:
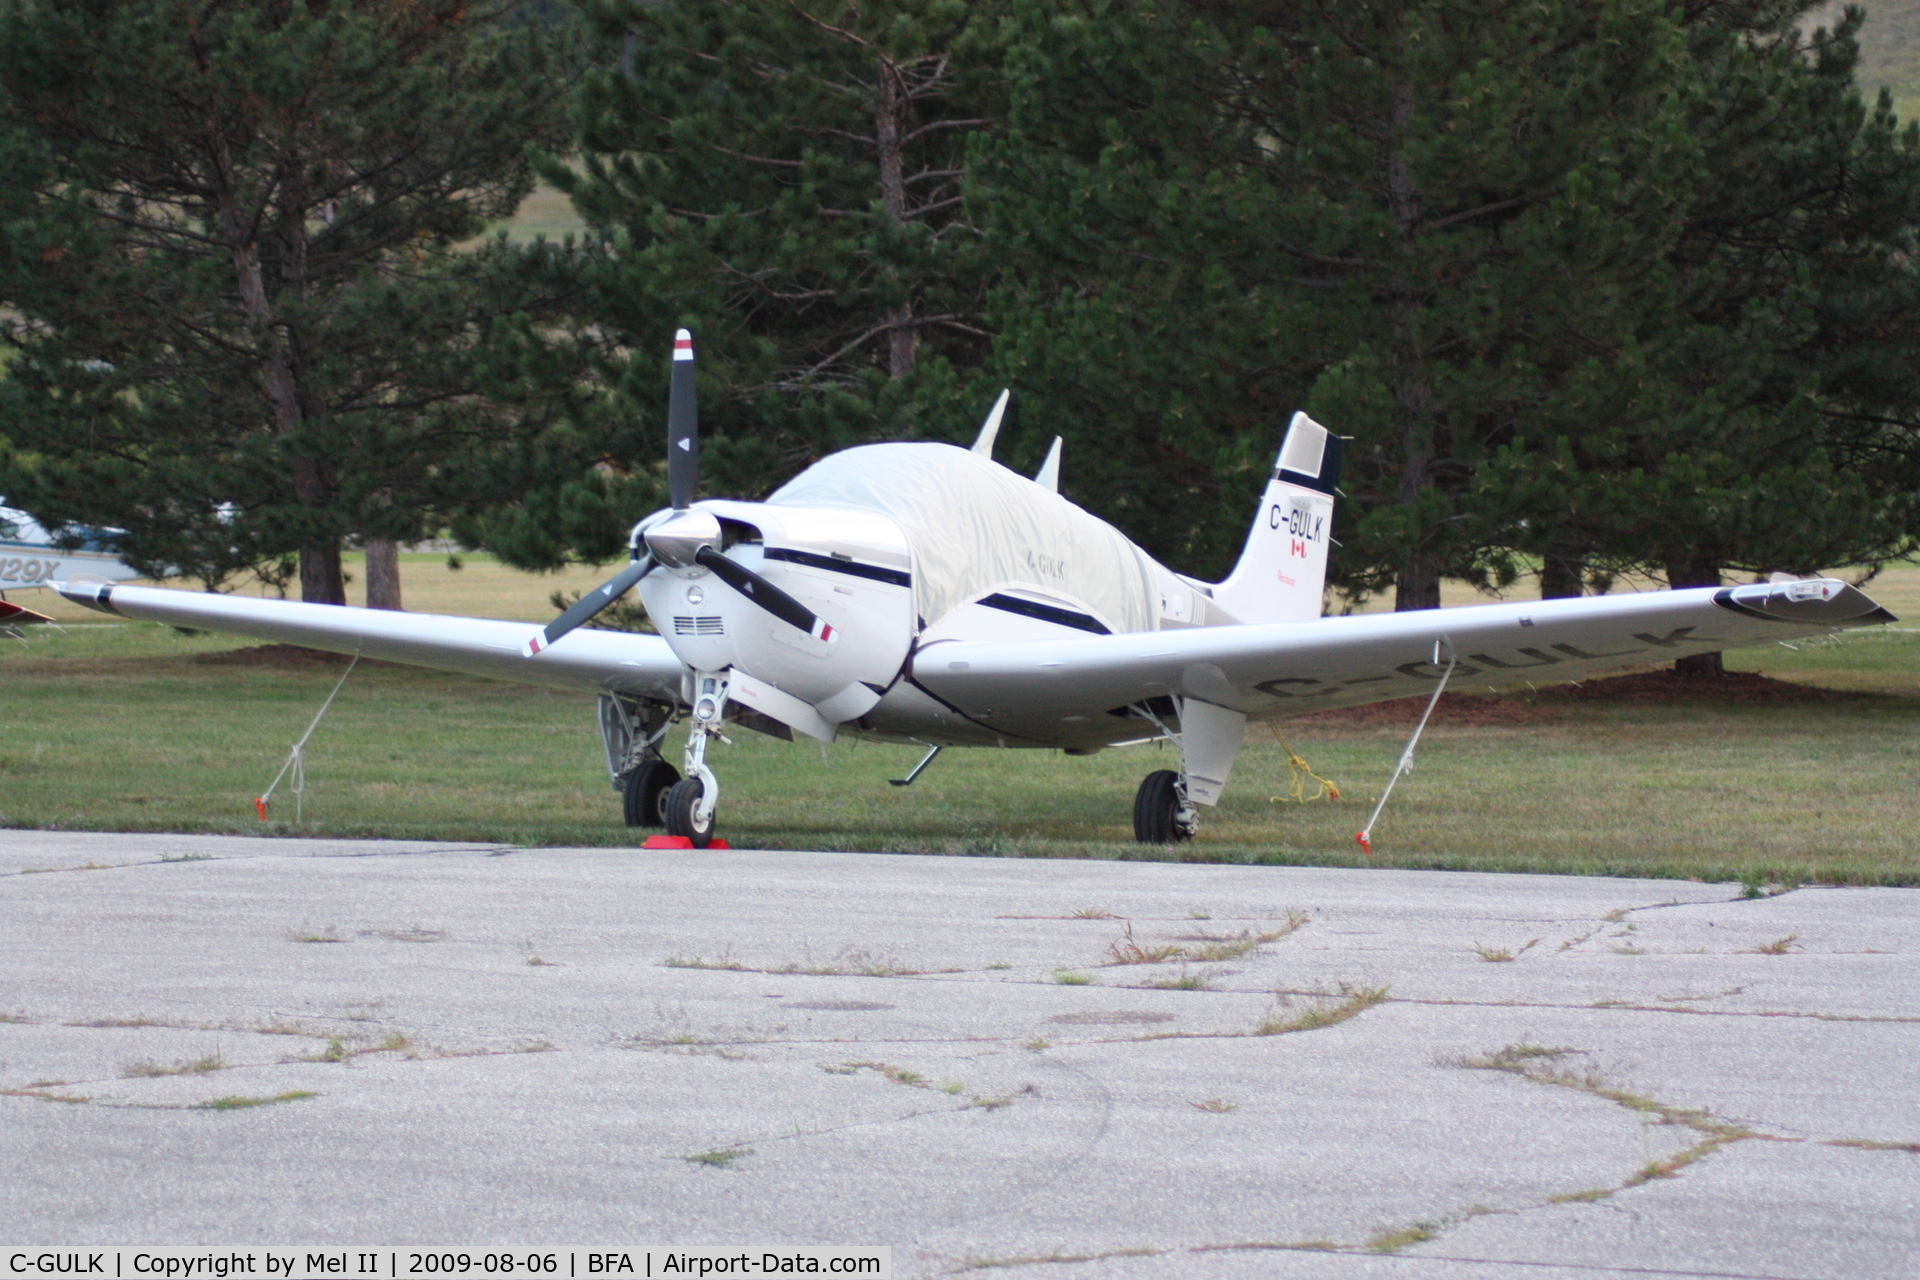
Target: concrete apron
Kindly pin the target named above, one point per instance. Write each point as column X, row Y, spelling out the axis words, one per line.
column 1304, row 1072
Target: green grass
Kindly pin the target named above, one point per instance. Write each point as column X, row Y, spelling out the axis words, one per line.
column 119, row 726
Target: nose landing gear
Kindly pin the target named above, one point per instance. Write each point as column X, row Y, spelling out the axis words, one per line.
column 689, row 804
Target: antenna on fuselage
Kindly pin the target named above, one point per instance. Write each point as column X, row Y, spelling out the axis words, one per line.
column 991, row 427
column 1048, row 476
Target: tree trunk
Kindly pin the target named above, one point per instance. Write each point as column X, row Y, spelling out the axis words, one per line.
column 1417, row 585
column 383, row 573
column 1562, row 577
column 890, row 114
column 321, row 579
column 1700, row 572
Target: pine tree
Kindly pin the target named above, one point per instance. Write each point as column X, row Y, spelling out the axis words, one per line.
column 784, row 178
column 1411, row 218
column 247, row 325
column 1770, row 418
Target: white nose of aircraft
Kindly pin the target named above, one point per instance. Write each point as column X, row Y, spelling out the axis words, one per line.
column 818, row 604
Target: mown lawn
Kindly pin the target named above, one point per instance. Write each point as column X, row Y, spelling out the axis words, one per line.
column 123, row 726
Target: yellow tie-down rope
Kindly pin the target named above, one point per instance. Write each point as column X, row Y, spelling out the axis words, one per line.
column 1298, row 771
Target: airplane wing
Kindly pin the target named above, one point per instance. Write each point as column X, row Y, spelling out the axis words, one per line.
column 591, row 661
column 1061, row 691
column 11, row 613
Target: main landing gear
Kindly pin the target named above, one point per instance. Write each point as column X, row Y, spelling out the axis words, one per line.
column 1161, row 812
column 643, row 793
column 631, row 729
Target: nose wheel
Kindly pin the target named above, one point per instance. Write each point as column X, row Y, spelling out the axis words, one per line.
column 683, row 811
column 687, row 806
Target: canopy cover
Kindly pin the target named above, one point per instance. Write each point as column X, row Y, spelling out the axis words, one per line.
column 977, row 527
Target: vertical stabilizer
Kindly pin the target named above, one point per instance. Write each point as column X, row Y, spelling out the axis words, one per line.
column 1283, row 569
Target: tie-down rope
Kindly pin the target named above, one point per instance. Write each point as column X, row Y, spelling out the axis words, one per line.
column 296, row 758
column 1365, row 834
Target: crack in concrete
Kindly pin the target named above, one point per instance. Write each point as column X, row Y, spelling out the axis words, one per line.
column 1625, row 1007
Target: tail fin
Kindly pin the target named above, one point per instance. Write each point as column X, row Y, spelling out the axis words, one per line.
column 1283, row 570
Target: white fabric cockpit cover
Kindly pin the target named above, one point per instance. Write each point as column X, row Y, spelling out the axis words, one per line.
column 976, row 526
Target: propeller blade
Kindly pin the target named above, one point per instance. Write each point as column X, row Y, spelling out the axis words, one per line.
column 765, row 594
column 683, row 426
column 588, row 606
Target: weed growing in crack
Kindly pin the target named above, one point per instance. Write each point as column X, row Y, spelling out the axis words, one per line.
column 1125, row 950
column 1185, row 982
column 1533, row 1062
column 1072, row 978
column 726, row 961
column 1778, row 947
column 328, row 935
column 1501, row 955
column 197, row 1067
column 1392, row 1241
column 33, row 1091
column 279, row 1028
column 1093, row 913
column 1215, row 1106
column 236, row 1102
column 719, row 1157
column 1755, row 883
column 1210, row 948
column 1353, row 1002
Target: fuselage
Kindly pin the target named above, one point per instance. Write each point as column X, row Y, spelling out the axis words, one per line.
column 29, row 558
column 900, row 548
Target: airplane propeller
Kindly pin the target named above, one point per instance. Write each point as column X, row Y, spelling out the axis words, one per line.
column 588, row 606
column 686, row 537
column 765, row 594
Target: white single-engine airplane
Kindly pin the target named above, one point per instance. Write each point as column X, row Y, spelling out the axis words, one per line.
column 923, row 593
column 29, row 557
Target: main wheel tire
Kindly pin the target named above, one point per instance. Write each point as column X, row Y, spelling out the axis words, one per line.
column 1156, row 810
column 644, row 798
column 682, row 799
